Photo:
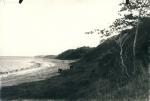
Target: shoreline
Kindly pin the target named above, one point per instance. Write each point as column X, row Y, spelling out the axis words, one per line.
column 34, row 73
column 34, row 65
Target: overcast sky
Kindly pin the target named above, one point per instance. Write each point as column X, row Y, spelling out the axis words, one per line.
column 39, row 27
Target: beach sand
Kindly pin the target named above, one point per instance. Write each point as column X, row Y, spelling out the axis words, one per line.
column 36, row 73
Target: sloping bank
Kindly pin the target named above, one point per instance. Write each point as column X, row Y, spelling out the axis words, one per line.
column 98, row 75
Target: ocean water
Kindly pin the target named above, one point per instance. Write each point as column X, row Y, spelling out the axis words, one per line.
column 14, row 64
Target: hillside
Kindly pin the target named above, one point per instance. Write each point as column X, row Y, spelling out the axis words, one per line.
column 98, row 75
column 46, row 56
column 74, row 53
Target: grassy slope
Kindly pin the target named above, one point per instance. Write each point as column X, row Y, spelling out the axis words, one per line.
column 96, row 76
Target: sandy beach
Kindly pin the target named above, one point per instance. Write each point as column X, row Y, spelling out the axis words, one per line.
column 39, row 71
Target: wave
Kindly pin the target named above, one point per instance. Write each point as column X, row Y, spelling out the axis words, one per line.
column 13, row 65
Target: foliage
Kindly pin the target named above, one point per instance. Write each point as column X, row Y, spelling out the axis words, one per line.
column 101, row 79
column 74, row 53
column 128, row 15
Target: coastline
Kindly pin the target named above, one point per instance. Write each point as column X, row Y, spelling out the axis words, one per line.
column 34, row 73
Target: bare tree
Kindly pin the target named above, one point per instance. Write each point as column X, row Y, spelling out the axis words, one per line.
column 127, row 21
column 121, row 41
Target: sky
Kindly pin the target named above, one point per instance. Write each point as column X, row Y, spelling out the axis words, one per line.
column 42, row 27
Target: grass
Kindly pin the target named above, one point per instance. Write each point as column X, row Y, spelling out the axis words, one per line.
column 97, row 76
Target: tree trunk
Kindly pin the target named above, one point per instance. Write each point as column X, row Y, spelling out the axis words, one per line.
column 121, row 41
column 134, row 44
column 122, row 61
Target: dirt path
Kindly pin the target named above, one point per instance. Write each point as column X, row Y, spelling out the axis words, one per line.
column 34, row 74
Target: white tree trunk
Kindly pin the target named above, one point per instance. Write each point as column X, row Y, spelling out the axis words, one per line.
column 121, row 41
column 134, row 43
column 122, row 61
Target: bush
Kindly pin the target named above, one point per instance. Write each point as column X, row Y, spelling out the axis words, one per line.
column 74, row 53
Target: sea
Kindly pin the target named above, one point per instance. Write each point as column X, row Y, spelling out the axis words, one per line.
column 11, row 64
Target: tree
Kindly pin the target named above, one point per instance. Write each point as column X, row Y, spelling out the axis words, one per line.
column 131, row 14
column 141, row 6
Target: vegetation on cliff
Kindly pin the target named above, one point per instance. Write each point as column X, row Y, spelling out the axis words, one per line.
column 74, row 53
column 98, row 75
column 116, row 70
